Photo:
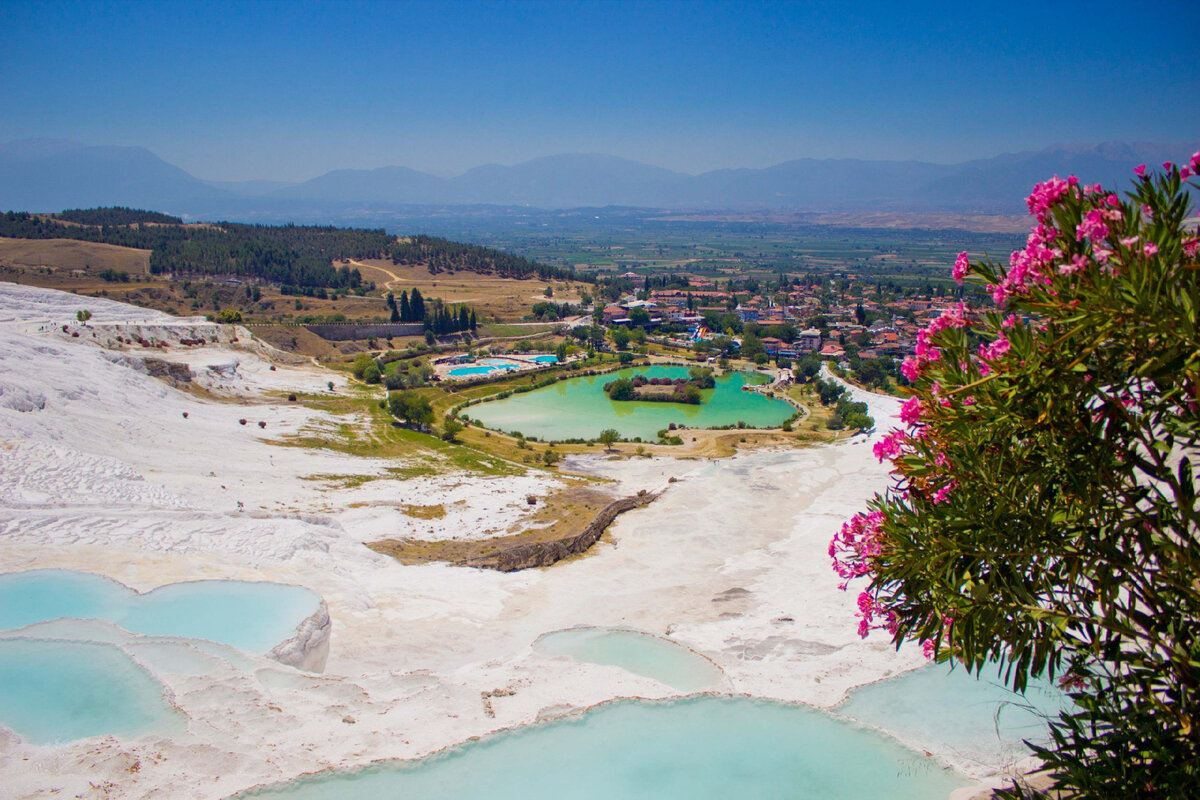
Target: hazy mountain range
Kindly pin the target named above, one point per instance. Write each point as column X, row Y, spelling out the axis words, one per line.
column 50, row 175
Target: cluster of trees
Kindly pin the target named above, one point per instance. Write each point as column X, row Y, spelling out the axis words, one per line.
column 846, row 413
column 391, row 371
column 116, row 215
column 545, row 311
column 441, row 254
column 439, row 320
column 412, row 407
column 407, row 309
column 684, row 390
column 297, row 256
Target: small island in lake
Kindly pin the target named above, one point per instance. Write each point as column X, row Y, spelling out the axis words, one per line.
column 663, row 390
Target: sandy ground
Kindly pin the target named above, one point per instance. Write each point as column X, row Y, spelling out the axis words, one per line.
column 100, row 471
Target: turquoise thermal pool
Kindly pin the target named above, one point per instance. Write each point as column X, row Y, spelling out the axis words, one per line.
column 640, row 653
column 697, row 748
column 579, row 409
column 247, row 615
column 977, row 719
column 53, row 692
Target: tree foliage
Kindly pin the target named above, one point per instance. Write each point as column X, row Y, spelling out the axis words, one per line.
column 1043, row 511
column 412, row 407
column 440, row 254
column 608, row 437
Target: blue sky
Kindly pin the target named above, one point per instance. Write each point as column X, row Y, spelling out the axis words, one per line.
column 290, row 90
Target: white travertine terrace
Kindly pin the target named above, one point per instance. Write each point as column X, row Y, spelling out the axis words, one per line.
column 100, row 471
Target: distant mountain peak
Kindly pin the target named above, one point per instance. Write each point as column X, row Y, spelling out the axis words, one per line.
column 52, row 174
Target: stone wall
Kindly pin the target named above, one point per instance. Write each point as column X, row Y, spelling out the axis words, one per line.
column 345, row 331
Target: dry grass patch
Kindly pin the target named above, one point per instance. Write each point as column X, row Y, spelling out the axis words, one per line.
column 88, row 258
column 560, row 515
column 423, row 512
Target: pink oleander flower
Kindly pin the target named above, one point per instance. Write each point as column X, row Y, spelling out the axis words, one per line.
column 1147, row 211
column 1112, row 201
column 1092, row 227
column 910, row 368
column 1077, row 263
column 1009, row 321
column 994, row 350
column 889, row 446
column 1150, row 249
column 928, row 648
column 1167, row 165
column 1194, row 161
column 941, row 494
column 910, row 412
column 1045, row 195
column 1191, row 247
column 961, row 265
column 1139, row 170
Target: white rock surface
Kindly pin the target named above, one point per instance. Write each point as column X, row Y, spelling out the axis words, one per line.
column 101, row 471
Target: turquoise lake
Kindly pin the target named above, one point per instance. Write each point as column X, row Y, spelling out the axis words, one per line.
column 579, row 409
column 699, row 748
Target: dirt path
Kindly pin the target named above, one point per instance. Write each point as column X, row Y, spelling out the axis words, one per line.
column 389, row 284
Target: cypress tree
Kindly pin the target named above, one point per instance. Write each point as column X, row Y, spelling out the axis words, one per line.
column 464, row 321
column 417, row 304
column 405, row 309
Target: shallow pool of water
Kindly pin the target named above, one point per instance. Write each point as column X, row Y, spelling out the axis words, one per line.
column 251, row 616
column 699, row 748
column 640, row 653
column 579, row 408
column 977, row 719
column 60, row 691
column 545, row 359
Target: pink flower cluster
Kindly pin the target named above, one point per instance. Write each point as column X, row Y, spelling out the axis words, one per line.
column 929, row 646
column 851, row 549
column 1046, row 195
column 1185, row 172
column 956, row 317
column 1028, row 265
column 868, row 609
column 911, row 411
column 1042, row 256
column 1093, row 226
column 890, row 445
column 990, row 352
column 941, row 494
column 962, row 265
column 855, row 544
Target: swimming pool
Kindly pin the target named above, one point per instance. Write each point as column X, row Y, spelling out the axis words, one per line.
column 483, row 367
